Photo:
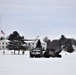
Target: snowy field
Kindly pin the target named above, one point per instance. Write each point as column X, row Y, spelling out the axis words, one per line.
column 23, row 65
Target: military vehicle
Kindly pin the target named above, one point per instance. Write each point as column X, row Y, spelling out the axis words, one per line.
column 52, row 53
column 36, row 52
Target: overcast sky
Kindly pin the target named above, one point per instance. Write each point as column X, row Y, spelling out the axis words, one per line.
column 39, row 17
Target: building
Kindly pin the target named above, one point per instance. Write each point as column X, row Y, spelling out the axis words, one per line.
column 3, row 44
column 32, row 44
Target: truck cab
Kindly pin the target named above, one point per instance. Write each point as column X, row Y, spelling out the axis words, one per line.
column 36, row 52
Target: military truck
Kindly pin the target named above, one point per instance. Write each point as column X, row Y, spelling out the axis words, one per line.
column 36, row 52
column 52, row 53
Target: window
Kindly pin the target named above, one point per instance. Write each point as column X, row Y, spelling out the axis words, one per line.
column 29, row 43
column 2, row 46
column 43, row 43
column 32, row 43
column 3, row 43
column 32, row 47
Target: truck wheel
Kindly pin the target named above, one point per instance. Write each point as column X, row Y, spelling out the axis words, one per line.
column 31, row 56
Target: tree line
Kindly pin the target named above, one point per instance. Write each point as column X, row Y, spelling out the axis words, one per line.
column 62, row 43
column 17, row 43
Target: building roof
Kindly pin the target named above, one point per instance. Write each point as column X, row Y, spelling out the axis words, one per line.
column 5, row 40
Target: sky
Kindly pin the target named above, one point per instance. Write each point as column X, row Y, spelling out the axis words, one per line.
column 42, row 18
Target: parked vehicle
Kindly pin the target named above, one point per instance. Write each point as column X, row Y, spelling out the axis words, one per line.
column 52, row 53
column 36, row 52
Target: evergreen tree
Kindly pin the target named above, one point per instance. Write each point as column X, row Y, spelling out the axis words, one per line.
column 16, row 42
column 39, row 44
column 69, row 46
column 48, row 44
column 62, row 37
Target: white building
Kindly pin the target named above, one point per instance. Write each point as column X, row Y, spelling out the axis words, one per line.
column 32, row 44
column 3, row 44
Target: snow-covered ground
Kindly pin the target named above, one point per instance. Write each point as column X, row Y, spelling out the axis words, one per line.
column 23, row 65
